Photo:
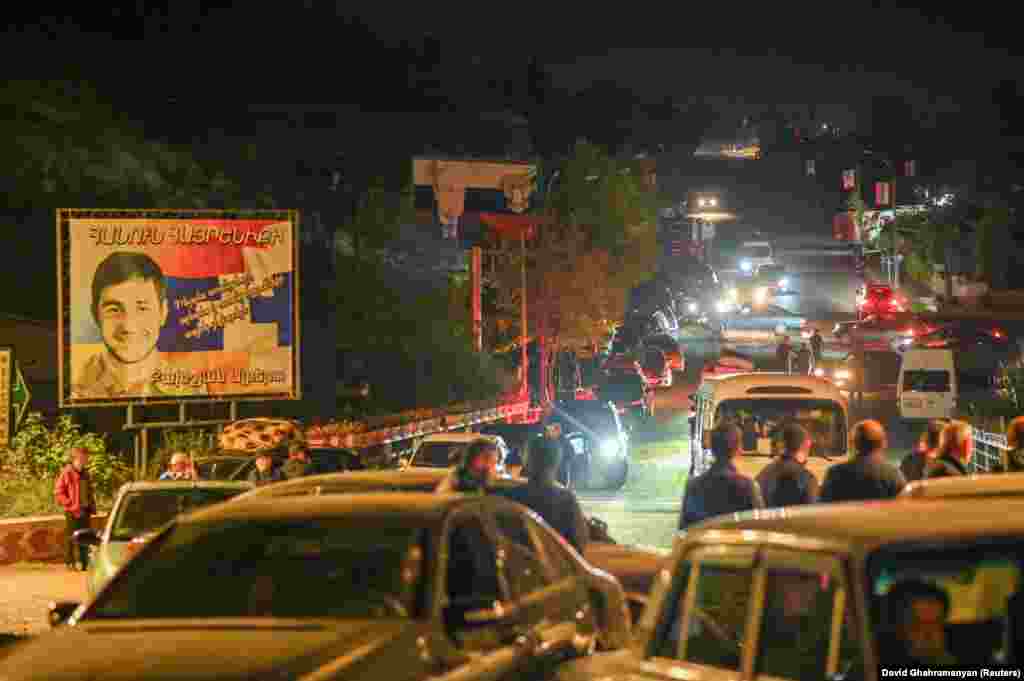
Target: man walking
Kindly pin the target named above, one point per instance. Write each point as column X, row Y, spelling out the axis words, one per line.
column 868, row 475
column 722, row 489
column 74, row 492
column 786, row 481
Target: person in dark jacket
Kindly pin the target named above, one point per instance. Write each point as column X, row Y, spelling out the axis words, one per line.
column 722, row 489
column 298, row 464
column 264, row 473
column 476, row 471
column 74, row 492
column 1014, row 462
column 546, row 497
column 955, row 450
column 817, row 346
column 868, row 475
column 786, row 481
column 916, row 462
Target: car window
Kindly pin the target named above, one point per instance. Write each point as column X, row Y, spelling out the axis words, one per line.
column 522, row 563
column 332, row 568
column 145, row 511
column 438, row 454
column 222, row 469
column 952, row 604
column 926, row 380
column 715, row 616
column 805, row 601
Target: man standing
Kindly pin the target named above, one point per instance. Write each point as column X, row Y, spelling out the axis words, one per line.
column 868, row 475
column 264, row 473
column 917, row 613
column 476, row 472
column 298, row 464
column 551, row 501
column 817, row 346
column 722, row 489
column 955, row 451
column 74, row 492
column 180, row 468
column 784, row 353
column 916, row 462
column 786, row 481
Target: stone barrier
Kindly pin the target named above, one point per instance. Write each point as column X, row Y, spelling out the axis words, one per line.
column 36, row 539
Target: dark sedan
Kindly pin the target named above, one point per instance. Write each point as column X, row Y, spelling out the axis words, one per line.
column 375, row 586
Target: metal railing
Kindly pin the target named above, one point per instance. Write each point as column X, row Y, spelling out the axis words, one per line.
column 989, row 452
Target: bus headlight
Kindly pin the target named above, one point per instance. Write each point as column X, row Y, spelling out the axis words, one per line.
column 610, row 448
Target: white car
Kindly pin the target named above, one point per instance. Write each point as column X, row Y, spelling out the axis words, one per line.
column 443, row 450
column 1004, row 484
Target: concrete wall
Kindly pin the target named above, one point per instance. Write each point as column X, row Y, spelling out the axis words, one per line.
column 36, row 539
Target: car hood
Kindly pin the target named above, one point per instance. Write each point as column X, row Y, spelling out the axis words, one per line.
column 209, row 649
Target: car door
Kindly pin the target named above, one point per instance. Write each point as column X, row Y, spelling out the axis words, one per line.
column 706, row 624
column 808, row 625
column 476, row 610
column 553, row 602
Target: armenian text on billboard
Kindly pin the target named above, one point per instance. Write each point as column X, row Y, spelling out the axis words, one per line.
column 165, row 306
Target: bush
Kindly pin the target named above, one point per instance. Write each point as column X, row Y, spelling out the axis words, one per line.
column 39, row 452
column 20, row 497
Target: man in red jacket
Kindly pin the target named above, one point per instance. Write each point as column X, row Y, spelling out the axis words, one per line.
column 75, row 494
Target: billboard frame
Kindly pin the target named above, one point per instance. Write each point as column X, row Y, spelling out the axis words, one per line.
column 63, row 218
column 8, row 390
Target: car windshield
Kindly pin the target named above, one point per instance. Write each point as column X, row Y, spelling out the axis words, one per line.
column 347, row 568
column 762, row 421
column 143, row 512
column 979, row 580
column 221, row 469
column 438, row 454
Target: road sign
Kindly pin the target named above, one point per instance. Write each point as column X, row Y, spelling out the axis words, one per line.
column 20, row 397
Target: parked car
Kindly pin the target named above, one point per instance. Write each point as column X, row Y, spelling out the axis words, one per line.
column 377, row 586
column 961, row 335
column 801, row 593
column 973, row 486
column 875, row 298
column 889, row 330
column 139, row 511
column 655, row 368
column 236, row 465
column 670, row 347
column 594, row 427
column 443, row 450
column 634, row 567
column 767, row 318
column 628, row 392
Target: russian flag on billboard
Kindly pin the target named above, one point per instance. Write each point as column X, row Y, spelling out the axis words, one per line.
column 265, row 320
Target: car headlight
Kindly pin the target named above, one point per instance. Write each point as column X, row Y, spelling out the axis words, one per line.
column 760, row 295
column 609, row 448
column 819, row 372
column 723, row 307
column 783, row 284
column 746, row 266
column 734, row 294
column 842, row 375
column 692, row 307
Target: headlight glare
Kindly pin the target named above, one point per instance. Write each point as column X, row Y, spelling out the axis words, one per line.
column 609, row 448
column 746, row 266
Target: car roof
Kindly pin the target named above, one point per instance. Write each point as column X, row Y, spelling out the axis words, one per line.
column 412, row 479
column 152, row 485
column 460, row 437
column 407, row 507
column 862, row 525
column 966, row 486
column 737, row 386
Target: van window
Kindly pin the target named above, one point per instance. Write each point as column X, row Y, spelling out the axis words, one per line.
column 762, row 421
column 926, row 380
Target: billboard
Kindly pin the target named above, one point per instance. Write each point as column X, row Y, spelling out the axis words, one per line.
column 159, row 306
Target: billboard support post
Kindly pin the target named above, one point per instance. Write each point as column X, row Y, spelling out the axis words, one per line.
column 141, row 429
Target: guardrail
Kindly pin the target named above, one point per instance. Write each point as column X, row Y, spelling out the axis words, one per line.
column 989, row 452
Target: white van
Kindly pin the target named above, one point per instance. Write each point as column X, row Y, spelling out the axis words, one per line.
column 927, row 387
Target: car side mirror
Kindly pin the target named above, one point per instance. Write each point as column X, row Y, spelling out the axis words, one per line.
column 86, row 537
column 59, row 612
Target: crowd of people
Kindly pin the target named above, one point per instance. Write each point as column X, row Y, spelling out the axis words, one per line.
column 945, row 449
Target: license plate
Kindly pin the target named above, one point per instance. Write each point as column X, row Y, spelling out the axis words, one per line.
column 912, row 403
